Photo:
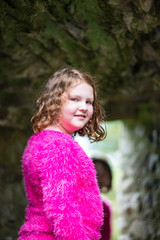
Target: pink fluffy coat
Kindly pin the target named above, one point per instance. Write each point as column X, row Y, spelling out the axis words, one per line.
column 64, row 201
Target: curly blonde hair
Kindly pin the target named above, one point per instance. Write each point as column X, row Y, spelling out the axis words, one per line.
column 49, row 103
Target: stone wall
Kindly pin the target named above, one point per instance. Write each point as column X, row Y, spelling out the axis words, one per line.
column 12, row 196
column 139, row 191
column 117, row 41
column 140, row 187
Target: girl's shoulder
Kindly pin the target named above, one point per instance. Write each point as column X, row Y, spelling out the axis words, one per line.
column 49, row 146
column 48, row 142
column 51, row 138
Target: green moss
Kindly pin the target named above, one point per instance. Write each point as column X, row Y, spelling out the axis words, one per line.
column 105, row 38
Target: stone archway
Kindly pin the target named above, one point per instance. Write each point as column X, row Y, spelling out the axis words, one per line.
column 118, row 42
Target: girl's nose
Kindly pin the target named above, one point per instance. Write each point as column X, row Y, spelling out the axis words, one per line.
column 83, row 106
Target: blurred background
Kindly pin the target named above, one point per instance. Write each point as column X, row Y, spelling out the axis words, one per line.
column 118, row 42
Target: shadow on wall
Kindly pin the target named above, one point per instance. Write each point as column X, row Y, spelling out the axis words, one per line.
column 12, row 197
column 104, row 177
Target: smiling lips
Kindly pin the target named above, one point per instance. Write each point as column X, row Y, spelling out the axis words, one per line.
column 80, row 116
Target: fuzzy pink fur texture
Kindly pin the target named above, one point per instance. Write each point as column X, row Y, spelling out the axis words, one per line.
column 64, row 200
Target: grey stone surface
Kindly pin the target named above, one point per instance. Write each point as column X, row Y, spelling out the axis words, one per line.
column 140, row 193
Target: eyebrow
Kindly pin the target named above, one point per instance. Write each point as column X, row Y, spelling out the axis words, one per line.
column 78, row 96
column 90, row 99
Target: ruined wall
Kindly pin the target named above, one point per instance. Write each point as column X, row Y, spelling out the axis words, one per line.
column 139, row 191
column 118, row 42
column 12, row 197
column 140, row 187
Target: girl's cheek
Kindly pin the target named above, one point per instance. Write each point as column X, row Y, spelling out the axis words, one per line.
column 91, row 114
column 91, row 109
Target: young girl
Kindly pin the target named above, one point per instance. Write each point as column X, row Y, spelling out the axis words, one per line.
column 64, row 201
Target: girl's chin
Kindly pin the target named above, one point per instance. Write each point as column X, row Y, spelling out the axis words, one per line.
column 76, row 129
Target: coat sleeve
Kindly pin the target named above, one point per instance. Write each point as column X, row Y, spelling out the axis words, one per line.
column 58, row 181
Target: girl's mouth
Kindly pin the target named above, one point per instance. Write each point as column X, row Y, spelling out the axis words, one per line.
column 80, row 116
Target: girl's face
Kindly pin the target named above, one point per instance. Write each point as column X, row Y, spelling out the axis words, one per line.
column 77, row 107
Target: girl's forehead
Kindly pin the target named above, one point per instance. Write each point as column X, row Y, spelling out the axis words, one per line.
column 76, row 84
column 80, row 88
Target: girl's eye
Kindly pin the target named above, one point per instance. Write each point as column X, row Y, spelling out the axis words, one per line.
column 89, row 102
column 74, row 99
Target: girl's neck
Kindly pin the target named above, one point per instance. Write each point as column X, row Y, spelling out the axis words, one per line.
column 58, row 127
